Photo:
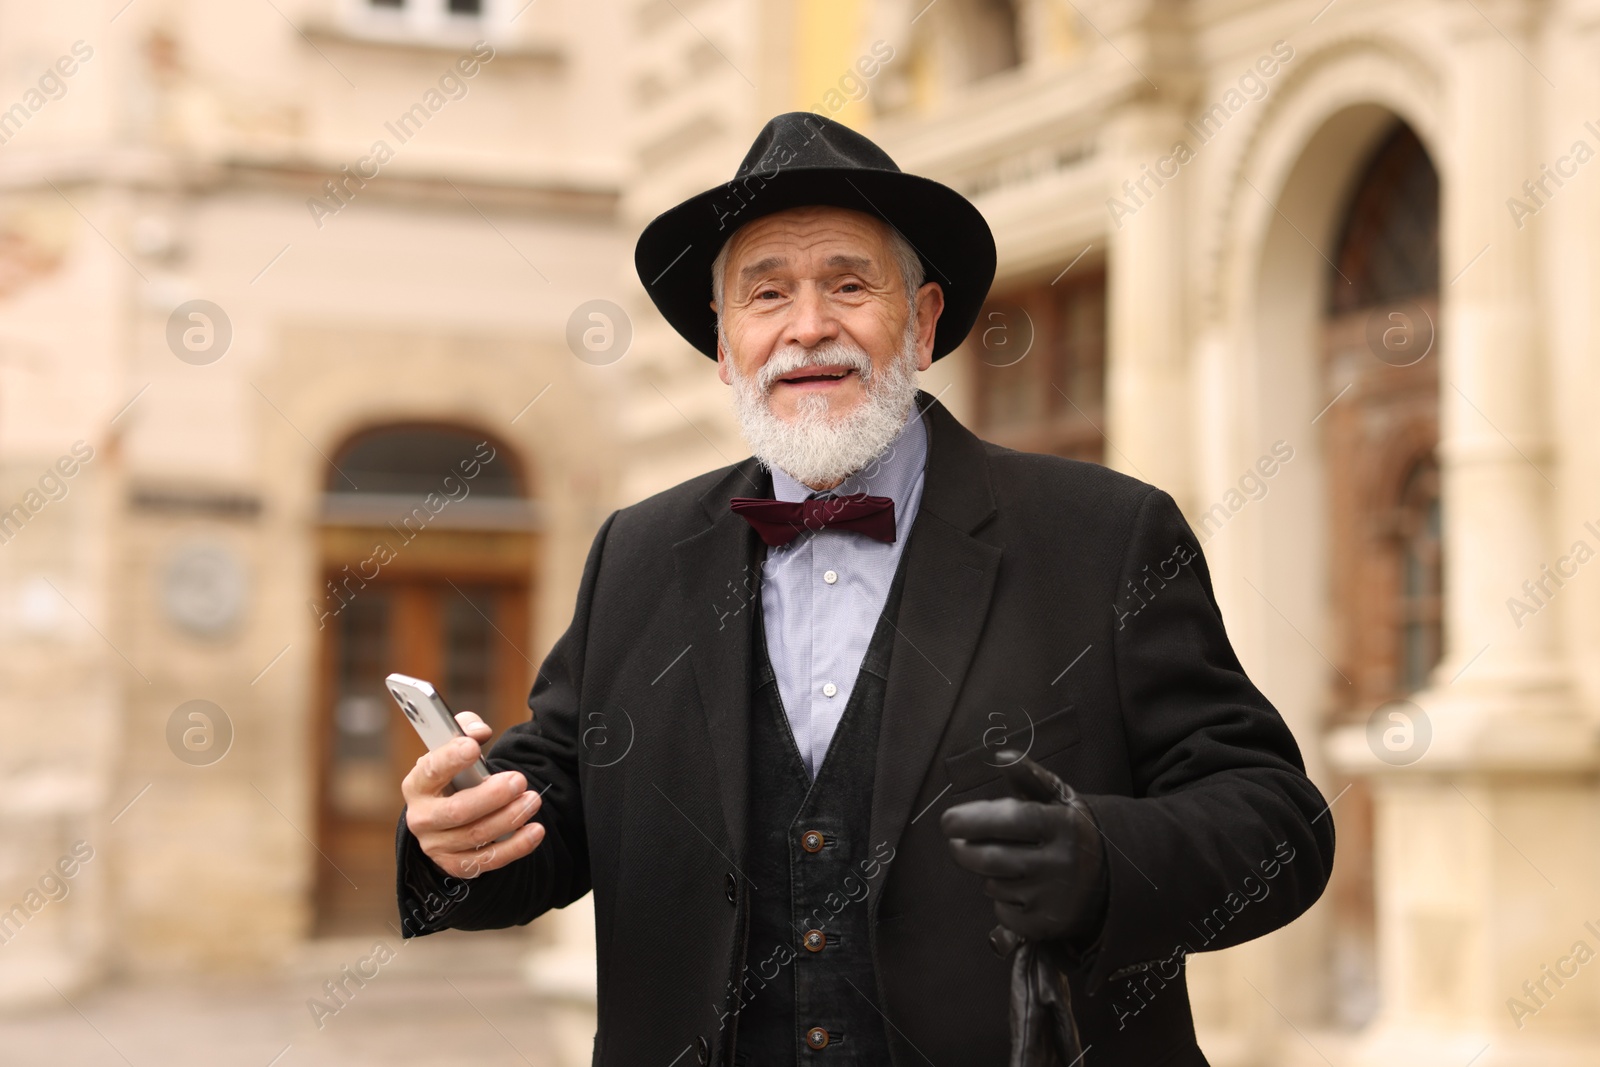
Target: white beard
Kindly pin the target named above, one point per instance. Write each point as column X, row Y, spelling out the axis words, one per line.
column 818, row 448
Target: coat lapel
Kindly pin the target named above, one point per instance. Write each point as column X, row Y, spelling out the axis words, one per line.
column 717, row 579
column 949, row 580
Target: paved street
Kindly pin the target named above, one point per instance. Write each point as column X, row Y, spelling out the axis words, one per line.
column 444, row 1000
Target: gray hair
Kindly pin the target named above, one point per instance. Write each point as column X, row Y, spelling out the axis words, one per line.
column 905, row 257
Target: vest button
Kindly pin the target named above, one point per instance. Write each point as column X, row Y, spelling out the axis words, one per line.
column 811, row 841
column 815, row 940
column 817, row 1037
column 702, row 1051
column 730, row 887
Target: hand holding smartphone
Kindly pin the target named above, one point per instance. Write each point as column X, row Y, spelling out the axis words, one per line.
column 434, row 722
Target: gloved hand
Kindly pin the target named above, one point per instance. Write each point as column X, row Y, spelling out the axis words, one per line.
column 1042, row 857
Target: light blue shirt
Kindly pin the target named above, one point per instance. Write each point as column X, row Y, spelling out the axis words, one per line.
column 823, row 592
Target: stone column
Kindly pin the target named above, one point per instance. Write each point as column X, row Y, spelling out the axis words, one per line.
column 1485, row 836
column 1147, row 368
column 1496, row 451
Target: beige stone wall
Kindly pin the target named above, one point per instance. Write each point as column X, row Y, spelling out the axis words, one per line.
column 62, row 704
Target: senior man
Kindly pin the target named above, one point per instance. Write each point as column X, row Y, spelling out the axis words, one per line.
column 815, row 671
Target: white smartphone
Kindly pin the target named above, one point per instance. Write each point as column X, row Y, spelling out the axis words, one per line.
column 434, row 722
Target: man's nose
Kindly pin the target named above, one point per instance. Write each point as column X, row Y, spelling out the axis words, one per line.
column 811, row 321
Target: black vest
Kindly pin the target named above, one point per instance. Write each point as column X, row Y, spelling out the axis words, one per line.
column 809, row 992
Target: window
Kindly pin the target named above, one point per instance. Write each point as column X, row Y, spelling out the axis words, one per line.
column 1389, row 247
column 1419, row 603
column 1382, row 434
column 413, row 18
column 386, row 474
column 989, row 29
column 1039, row 366
column 414, row 460
column 453, row 7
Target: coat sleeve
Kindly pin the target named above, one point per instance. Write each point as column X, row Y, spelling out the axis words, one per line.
column 1224, row 837
column 545, row 750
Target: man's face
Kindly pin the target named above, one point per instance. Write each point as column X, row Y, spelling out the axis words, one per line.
column 810, row 275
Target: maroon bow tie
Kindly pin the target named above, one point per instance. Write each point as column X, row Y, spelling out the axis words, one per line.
column 780, row 521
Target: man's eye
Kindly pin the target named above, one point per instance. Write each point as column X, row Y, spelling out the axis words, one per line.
column 769, row 293
column 850, row 287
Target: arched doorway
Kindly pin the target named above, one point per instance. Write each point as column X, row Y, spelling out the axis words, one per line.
column 1379, row 434
column 428, row 543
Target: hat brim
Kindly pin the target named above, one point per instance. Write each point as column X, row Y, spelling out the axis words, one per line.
column 676, row 250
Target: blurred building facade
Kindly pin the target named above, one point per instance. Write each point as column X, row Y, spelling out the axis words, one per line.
column 298, row 277
column 1321, row 271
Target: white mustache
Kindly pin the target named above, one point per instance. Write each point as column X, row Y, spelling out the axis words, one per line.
column 793, row 357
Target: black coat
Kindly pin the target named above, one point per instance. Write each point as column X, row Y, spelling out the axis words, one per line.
column 1048, row 603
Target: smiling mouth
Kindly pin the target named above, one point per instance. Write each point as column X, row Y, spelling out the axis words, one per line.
column 817, row 376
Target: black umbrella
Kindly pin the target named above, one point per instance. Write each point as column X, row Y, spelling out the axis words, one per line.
column 1043, row 1031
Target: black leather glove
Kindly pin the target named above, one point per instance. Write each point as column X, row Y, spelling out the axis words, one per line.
column 1041, row 855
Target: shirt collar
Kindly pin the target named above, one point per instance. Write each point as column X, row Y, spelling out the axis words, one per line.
column 895, row 473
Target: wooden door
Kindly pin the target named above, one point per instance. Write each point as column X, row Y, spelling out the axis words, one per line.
column 465, row 633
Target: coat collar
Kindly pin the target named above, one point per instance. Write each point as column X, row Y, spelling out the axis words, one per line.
column 948, row 583
column 959, row 491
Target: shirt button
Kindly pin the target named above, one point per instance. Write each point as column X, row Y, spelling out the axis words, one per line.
column 830, row 576
column 811, row 841
column 817, row 1037
column 815, row 940
column 829, row 689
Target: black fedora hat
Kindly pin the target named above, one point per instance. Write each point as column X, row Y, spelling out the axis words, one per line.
column 801, row 159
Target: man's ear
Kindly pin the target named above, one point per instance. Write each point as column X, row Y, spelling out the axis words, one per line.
column 722, row 353
column 930, row 305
